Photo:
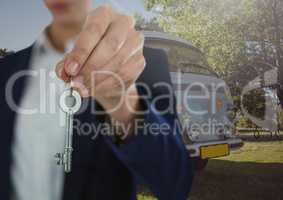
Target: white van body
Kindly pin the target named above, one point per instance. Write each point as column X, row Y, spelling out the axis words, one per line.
column 204, row 103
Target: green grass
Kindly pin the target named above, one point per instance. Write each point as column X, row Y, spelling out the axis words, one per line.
column 145, row 197
column 254, row 172
column 259, row 152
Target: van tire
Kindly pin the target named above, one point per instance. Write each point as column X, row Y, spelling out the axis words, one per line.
column 200, row 164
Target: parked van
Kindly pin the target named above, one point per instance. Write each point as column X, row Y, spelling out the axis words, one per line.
column 204, row 103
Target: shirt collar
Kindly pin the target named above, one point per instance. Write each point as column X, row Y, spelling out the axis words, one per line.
column 43, row 44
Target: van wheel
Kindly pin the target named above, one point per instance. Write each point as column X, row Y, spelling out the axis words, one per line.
column 200, row 164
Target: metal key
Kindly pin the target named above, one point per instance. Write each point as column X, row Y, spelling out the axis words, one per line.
column 70, row 103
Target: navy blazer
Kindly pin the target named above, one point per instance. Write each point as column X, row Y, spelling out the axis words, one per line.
column 102, row 170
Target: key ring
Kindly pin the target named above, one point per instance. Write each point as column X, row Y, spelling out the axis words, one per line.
column 70, row 101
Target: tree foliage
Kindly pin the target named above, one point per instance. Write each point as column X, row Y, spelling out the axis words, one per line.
column 3, row 52
column 229, row 32
column 205, row 23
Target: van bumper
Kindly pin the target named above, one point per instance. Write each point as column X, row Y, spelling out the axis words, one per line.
column 194, row 148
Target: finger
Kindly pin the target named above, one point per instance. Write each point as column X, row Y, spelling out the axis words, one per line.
column 60, row 71
column 78, row 84
column 131, row 47
column 97, row 77
column 95, row 27
column 112, row 42
column 132, row 69
column 126, row 77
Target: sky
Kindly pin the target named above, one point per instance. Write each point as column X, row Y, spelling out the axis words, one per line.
column 21, row 21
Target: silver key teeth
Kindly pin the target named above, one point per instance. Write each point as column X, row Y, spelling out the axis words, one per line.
column 59, row 158
column 65, row 159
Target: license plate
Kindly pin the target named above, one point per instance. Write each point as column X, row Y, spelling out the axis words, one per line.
column 214, row 151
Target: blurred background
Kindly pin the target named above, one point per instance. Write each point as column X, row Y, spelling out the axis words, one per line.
column 22, row 21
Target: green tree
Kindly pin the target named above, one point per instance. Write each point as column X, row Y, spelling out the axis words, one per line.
column 229, row 32
column 3, row 52
column 147, row 24
column 208, row 24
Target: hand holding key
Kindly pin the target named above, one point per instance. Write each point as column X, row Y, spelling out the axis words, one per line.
column 108, row 43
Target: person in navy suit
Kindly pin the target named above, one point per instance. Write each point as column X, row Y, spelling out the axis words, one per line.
column 124, row 86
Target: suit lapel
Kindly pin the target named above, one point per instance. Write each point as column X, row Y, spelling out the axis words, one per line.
column 15, row 63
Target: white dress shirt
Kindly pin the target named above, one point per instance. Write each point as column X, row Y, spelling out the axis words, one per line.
column 39, row 135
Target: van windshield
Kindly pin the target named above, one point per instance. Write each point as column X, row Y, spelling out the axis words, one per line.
column 182, row 57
